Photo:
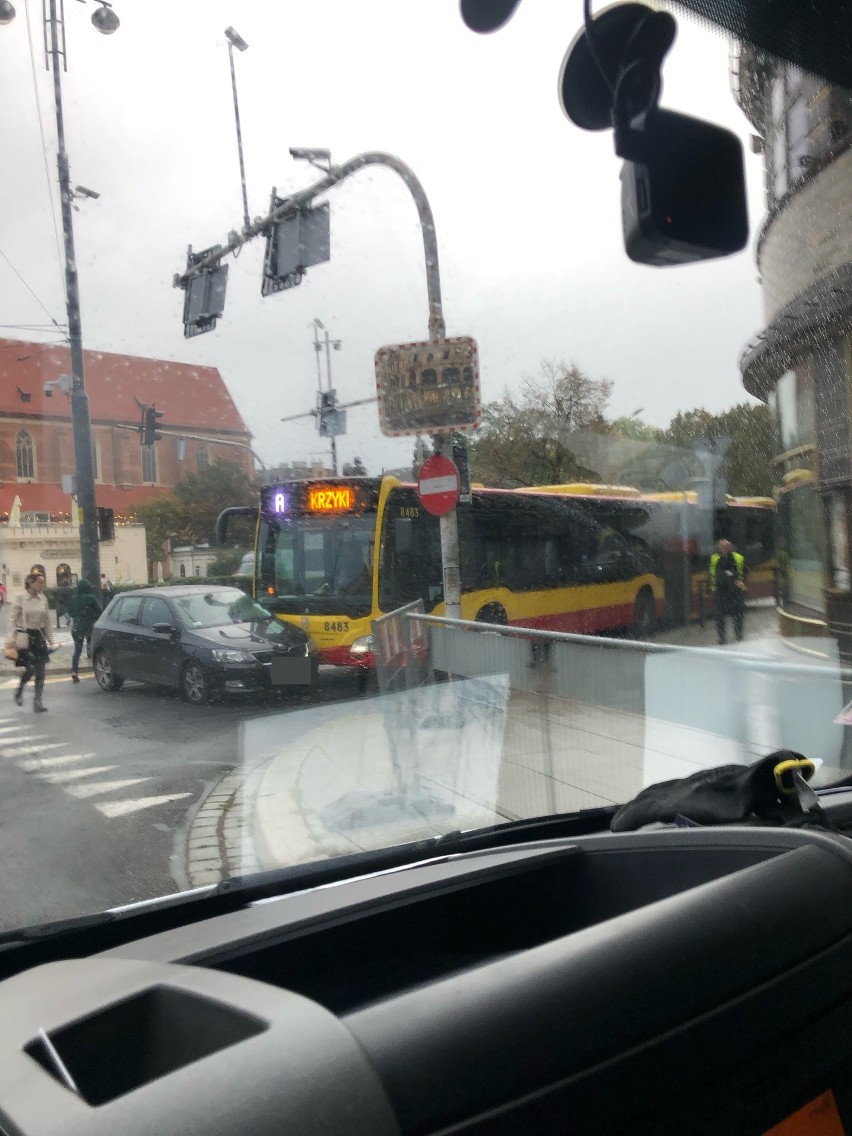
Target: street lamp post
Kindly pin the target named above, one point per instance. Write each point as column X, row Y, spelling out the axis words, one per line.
column 106, row 22
column 235, row 40
column 80, row 418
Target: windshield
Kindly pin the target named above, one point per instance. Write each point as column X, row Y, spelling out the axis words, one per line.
column 512, row 406
column 319, row 564
column 217, row 609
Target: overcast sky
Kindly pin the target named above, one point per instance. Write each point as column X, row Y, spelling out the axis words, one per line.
column 526, row 205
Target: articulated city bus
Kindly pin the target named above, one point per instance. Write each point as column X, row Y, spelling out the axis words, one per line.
column 332, row 555
column 680, row 536
column 685, row 535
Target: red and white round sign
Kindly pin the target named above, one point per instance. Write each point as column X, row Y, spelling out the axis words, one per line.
column 438, row 485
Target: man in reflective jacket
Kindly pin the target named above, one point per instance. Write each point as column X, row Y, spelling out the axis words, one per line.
column 727, row 573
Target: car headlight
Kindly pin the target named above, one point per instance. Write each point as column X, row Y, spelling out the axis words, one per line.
column 362, row 646
column 221, row 655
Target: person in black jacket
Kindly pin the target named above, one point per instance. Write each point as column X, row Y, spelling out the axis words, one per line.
column 85, row 611
column 63, row 598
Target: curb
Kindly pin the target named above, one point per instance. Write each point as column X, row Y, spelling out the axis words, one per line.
column 219, row 840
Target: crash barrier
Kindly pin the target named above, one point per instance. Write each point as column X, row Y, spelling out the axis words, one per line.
column 755, row 703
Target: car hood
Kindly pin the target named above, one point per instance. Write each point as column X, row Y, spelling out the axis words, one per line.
column 240, row 636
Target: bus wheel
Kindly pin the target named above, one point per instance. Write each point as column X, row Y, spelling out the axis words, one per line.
column 493, row 613
column 644, row 616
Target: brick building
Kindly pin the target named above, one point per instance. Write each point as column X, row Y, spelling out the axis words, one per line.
column 36, row 443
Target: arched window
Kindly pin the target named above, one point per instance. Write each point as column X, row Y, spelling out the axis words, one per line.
column 24, row 455
column 203, row 457
column 149, row 463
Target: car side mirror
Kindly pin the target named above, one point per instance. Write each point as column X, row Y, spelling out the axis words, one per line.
column 164, row 629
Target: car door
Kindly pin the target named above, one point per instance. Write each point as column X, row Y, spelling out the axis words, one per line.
column 122, row 641
column 160, row 653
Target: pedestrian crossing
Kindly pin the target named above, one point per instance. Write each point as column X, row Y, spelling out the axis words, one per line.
column 76, row 773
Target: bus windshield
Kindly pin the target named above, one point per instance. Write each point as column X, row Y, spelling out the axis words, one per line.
column 318, row 565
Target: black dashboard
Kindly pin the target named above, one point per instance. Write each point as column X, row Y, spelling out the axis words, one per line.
column 662, row 981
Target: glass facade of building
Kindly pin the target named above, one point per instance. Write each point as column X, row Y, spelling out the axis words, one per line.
column 800, row 362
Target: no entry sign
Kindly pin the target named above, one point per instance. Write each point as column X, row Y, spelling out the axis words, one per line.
column 438, row 485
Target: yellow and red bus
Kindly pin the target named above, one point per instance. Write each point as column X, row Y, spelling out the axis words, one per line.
column 684, row 536
column 681, row 535
column 331, row 555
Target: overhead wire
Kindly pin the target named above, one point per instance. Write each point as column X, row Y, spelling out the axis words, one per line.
column 28, row 326
column 44, row 153
column 57, row 325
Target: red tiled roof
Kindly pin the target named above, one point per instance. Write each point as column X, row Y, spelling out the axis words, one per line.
column 191, row 396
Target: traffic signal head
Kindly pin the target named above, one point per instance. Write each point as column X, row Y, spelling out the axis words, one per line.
column 106, row 524
column 148, row 434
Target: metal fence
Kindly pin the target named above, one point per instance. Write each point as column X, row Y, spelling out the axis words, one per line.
column 728, row 702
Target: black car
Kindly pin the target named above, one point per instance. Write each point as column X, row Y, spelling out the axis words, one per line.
column 200, row 640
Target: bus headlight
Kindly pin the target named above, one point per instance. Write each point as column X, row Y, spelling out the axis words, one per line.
column 362, row 646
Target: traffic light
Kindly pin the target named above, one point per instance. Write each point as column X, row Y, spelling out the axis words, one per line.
column 462, row 462
column 148, row 434
column 106, row 524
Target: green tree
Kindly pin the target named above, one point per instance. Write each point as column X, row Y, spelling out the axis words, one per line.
column 188, row 514
column 525, row 441
column 748, row 462
column 635, row 429
column 226, row 563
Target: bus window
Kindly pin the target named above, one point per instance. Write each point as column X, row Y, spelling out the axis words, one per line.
column 284, row 563
column 410, row 556
column 614, row 560
column 758, row 543
column 313, row 547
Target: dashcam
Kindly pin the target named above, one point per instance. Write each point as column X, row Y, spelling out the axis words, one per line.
column 682, row 190
column 683, row 181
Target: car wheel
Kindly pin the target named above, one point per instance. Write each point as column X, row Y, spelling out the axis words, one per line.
column 644, row 616
column 194, row 685
column 105, row 672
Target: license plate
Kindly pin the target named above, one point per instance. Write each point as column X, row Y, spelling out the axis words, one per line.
column 291, row 672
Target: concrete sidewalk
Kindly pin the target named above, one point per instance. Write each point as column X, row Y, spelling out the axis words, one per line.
column 401, row 767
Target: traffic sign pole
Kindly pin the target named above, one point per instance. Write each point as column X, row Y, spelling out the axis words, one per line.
column 449, row 534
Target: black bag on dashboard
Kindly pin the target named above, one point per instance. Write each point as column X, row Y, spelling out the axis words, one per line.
column 773, row 789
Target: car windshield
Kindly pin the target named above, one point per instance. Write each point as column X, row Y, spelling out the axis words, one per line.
column 502, row 380
column 218, row 609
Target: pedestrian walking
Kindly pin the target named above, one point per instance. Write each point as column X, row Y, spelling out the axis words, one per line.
column 2, row 593
column 727, row 579
column 63, row 597
column 30, row 632
column 106, row 589
column 85, row 610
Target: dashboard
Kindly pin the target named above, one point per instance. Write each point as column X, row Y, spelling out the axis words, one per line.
column 663, row 981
